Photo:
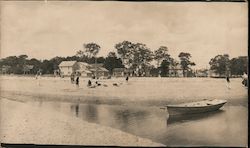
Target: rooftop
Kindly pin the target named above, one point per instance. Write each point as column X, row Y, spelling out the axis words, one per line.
column 67, row 63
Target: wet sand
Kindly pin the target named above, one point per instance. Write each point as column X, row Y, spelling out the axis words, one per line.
column 137, row 102
column 25, row 124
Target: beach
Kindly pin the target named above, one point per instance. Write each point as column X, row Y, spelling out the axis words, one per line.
column 129, row 107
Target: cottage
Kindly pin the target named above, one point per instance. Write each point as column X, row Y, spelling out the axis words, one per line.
column 119, row 72
column 67, row 67
column 83, row 69
column 98, row 70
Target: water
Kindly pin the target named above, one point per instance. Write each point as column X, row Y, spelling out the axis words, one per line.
column 226, row 127
column 117, row 107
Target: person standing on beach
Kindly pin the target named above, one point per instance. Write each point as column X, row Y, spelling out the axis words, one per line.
column 228, row 82
column 77, row 80
column 127, row 78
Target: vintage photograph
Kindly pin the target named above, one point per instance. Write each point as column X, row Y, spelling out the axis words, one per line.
column 123, row 73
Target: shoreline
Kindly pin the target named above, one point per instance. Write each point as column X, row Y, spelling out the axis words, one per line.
column 35, row 125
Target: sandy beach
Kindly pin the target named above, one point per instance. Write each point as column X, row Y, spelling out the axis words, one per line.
column 54, row 111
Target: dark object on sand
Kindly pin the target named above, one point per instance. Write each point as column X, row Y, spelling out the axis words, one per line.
column 245, row 82
column 195, row 107
column 228, row 81
column 115, row 84
column 127, row 78
column 98, row 84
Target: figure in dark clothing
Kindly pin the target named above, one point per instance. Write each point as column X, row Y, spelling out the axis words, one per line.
column 89, row 83
column 228, row 81
column 77, row 80
column 98, row 84
column 127, row 78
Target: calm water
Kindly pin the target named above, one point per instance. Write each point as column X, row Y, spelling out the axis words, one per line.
column 226, row 127
column 223, row 128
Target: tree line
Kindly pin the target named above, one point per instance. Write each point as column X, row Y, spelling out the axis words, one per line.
column 134, row 56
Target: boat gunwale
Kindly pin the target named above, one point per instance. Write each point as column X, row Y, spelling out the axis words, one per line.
column 201, row 106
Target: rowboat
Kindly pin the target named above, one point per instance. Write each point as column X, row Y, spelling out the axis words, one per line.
column 195, row 107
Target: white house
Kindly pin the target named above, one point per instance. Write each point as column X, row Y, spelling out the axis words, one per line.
column 67, row 67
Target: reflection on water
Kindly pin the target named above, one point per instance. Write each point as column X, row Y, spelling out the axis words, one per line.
column 227, row 127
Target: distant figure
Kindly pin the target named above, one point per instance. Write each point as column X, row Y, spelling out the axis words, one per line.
column 89, row 83
column 77, row 80
column 228, row 82
column 72, row 78
column 127, row 78
column 98, row 84
column 245, row 79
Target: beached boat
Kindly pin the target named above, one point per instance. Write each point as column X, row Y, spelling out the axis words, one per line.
column 195, row 107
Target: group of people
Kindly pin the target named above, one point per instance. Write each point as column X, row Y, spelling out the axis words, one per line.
column 76, row 81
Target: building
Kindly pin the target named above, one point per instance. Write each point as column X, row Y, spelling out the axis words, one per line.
column 119, row 72
column 68, row 67
column 201, row 73
column 83, row 69
column 175, row 71
column 98, row 70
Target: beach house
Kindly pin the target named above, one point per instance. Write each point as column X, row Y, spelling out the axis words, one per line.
column 98, row 70
column 68, row 67
column 83, row 69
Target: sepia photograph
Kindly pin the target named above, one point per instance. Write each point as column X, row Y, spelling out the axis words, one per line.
column 123, row 73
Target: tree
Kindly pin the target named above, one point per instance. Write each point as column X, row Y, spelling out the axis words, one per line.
column 161, row 54
column 165, row 68
column 111, row 62
column 91, row 49
column 125, row 50
column 219, row 64
column 238, row 65
column 185, row 62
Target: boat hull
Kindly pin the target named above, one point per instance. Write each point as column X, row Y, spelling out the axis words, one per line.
column 180, row 110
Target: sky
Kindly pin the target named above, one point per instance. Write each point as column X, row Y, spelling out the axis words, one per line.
column 45, row 29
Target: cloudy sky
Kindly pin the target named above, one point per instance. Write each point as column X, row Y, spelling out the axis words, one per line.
column 47, row 29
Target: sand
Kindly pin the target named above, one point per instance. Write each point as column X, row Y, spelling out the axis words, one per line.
column 22, row 123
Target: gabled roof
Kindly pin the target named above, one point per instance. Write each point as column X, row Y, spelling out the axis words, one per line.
column 98, row 69
column 83, row 63
column 67, row 63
